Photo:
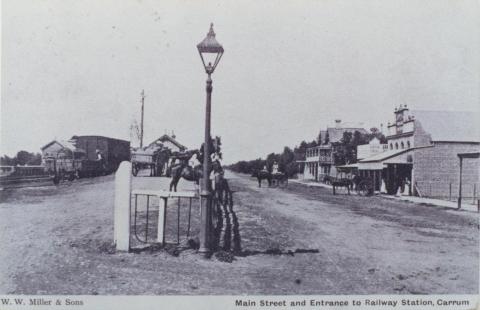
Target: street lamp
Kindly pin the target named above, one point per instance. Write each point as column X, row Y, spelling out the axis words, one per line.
column 210, row 52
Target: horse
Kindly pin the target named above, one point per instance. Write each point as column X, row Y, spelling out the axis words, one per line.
column 263, row 175
column 328, row 179
column 183, row 170
column 347, row 183
column 189, row 173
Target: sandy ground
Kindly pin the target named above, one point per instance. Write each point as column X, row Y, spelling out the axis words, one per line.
column 299, row 240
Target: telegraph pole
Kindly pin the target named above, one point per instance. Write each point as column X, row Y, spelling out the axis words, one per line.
column 141, row 122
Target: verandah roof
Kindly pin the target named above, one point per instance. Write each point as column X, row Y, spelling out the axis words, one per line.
column 379, row 161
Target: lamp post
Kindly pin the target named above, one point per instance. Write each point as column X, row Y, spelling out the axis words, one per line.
column 210, row 52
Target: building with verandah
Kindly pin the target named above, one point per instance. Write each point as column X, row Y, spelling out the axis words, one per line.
column 320, row 160
column 422, row 154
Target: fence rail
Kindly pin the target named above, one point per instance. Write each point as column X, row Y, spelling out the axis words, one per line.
column 6, row 171
column 23, row 176
column 448, row 191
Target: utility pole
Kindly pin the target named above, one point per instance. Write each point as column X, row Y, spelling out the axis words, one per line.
column 141, row 122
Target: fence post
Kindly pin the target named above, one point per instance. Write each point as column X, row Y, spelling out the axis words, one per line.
column 123, row 188
column 474, row 192
column 162, row 218
column 450, row 191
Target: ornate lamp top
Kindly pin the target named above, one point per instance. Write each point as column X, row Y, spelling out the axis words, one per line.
column 210, row 44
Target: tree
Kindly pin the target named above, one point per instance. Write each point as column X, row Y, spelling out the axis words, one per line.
column 345, row 152
column 271, row 158
column 319, row 138
column 312, row 144
column 7, row 161
column 23, row 157
column 35, row 160
column 285, row 159
column 299, row 153
column 375, row 133
column 327, row 138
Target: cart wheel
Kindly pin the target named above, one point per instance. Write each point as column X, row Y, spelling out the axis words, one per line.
column 71, row 176
column 362, row 189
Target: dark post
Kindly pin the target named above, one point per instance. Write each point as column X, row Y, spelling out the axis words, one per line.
column 209, row 46
column 450, row 191
column 474, row 192
column 205, row 228
column 395, row 183
column 460, row 186
column 141, row 121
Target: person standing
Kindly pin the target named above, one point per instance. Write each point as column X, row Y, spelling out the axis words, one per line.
column 275, row 167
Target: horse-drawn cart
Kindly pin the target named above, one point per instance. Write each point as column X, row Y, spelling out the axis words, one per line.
column 363, row 186
column 279, row 179
column 339, row 181
column 155, row 160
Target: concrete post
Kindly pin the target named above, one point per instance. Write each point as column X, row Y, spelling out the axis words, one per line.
column 123, row 189
column 162, row 208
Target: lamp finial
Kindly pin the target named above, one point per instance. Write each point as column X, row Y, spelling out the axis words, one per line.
column 211, row 33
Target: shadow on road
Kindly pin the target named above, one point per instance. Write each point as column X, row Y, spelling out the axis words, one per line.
column 231, row 233
column 226, row 238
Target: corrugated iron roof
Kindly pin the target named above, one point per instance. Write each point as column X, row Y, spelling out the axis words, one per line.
column 336, row 134
column 384, row 155
column 168, row 138
column 63, row 143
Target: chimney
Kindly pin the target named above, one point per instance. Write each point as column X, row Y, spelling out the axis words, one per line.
column 338, row 122
column 173, row 135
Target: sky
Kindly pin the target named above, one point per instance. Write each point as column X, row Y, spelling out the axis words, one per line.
column 290, row 68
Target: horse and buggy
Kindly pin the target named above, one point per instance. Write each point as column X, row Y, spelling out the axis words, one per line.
column 363, row 186
column 155, row 160
column 279, row 179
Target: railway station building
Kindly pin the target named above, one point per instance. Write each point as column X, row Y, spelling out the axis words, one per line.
column 168, row 142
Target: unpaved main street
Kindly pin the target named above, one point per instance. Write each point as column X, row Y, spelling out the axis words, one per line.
column 297, row 240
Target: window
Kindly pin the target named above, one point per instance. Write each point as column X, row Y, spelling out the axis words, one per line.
column 391, row 146
column 402, row 145
column 408, row 144
column 396, row 145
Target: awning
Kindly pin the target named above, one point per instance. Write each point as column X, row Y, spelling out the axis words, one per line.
column 379, row 161
column 469, row 155
column 347, row 167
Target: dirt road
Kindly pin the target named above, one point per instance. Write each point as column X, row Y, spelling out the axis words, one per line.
column 297, row 240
